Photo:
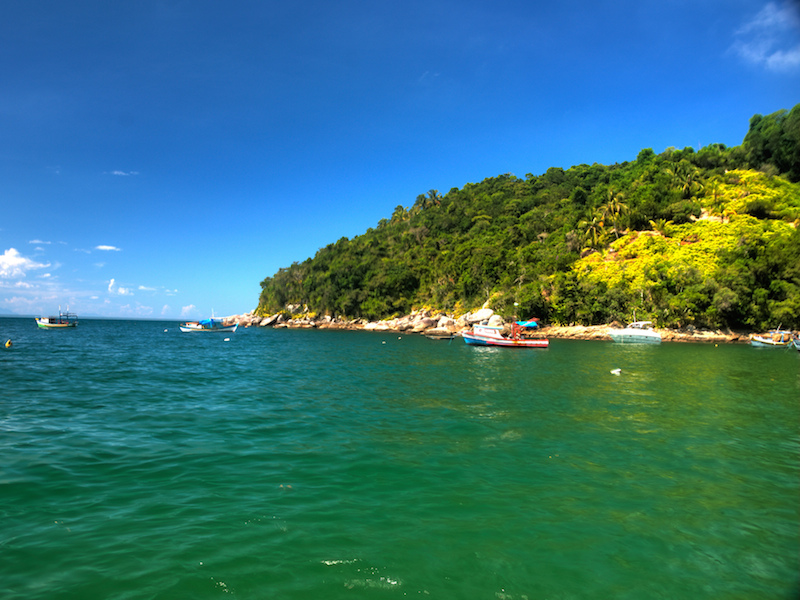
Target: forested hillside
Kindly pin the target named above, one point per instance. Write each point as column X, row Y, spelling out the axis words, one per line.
column 706, row 238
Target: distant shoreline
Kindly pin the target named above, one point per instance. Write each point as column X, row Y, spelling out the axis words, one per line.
column 418, row 324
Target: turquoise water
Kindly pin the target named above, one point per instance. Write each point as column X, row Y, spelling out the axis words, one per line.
column 142, row 463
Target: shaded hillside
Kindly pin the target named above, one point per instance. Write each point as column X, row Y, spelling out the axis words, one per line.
column 707, row 238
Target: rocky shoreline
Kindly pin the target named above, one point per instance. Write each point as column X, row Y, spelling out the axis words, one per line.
column 433, row 324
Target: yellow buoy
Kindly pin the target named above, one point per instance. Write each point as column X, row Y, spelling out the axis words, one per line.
column 8, row 344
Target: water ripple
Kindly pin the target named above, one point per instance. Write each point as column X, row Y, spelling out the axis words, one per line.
column 299, row 464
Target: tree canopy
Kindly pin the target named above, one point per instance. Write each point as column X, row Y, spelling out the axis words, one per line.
column 706, row 238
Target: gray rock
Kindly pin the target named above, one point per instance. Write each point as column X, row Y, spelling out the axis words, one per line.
column 480, row 315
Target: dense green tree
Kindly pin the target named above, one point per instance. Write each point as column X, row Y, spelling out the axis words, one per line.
column 774, row 141
column 563, row 244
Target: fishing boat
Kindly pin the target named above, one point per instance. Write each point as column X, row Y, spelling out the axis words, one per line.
column 439, row 334
column 208, row 325
column 772, row 339
column 62, row 321
column 637, row 332
column 487, row 335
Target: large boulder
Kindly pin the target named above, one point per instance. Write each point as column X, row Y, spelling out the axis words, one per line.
column 445, row 322
column 269, row 320
column 480, row 315
column 423, row 324
column 496, row 321
column 401, row 324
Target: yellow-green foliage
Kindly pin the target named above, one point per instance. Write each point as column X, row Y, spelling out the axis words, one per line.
column 753, row 192
column 632, row 260
column 518, row 243
column 642, row 264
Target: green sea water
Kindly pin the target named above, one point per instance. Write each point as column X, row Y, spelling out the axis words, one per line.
column 138, row 462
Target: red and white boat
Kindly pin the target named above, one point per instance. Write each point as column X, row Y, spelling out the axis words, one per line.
column 486, row 335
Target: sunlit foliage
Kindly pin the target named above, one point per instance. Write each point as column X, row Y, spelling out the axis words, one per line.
column 706, row 238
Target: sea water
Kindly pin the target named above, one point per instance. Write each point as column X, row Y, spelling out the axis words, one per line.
column 140, row 462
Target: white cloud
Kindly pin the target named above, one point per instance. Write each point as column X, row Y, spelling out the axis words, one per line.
column 187, row 311
column 144, row 288
column 165, row 310
column 20, row 305
column 144, row 311
column 109, row 248
column 783, row 61
column 13, row 264
column 124, row 173
column 113, row 288
column 39, row 242
column 770, row 38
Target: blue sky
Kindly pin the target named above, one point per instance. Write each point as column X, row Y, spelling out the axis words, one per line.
column 158, row 159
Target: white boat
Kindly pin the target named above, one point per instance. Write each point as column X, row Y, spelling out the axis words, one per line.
column 208, row 325
column 62, row 321
column 772, row 339
column 637, row 332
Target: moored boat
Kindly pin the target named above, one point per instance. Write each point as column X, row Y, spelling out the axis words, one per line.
column 62, row 321
column 487, row 335
column 637, row 332
column 208, row 325
column 772, row 339
column 439, row 334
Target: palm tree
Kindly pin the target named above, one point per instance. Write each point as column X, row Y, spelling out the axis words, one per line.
column 614, row 208
column 400, row 214
column 434, row 198
column 594, row 231
column 686, row 177
column 661, row 226
column 715, row 182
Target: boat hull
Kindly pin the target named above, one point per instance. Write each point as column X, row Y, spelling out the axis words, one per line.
column 216, row 329
column 477, row 340
column 56, row 322
column 768, row 344
column 637, row 337
column 437, row 337
column 637, row 332
column 775, row 339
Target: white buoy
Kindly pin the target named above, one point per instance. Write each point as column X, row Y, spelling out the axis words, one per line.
column 227, row 340
column 616, row 372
